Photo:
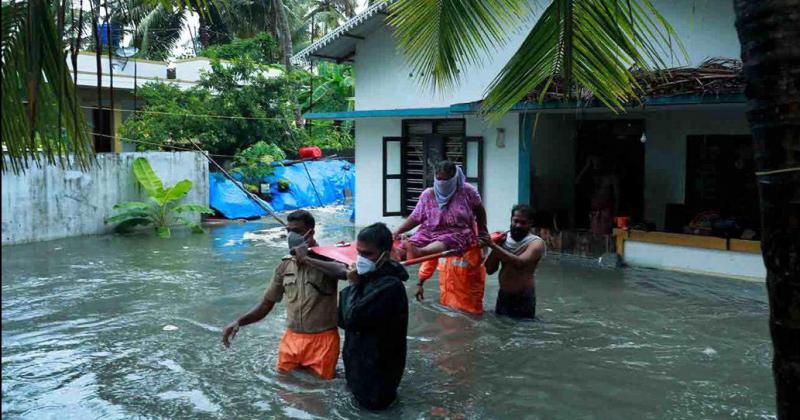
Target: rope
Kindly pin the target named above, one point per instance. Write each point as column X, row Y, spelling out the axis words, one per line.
column 778, row 171
column 157, row 144
column 249, row 195
column 232, row 117
column 311, row 180
column 210, row 154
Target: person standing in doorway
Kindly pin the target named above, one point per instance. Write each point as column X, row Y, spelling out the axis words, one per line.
column 373, row 311
column 517, row 257
column 309, row 285
column 605, row 197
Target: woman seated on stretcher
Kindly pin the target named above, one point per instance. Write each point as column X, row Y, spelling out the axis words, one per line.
column 446, row 215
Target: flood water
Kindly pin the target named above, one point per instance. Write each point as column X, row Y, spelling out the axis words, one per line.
column 83, row 336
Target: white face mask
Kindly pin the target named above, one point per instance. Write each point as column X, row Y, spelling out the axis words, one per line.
column 447, row 186
column 365, row 265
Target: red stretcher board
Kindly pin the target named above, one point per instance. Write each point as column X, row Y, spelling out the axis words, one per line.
column 345, row 252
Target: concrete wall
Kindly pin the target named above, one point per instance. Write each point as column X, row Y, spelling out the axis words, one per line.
column 695, row 260
column 385, row 81
column 50, row 203
column 500, row 168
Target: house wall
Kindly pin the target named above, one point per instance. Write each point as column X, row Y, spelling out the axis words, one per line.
column 553, row 158
column 500, row 172
column 695, row 260
column 123, row 102
column 49, row 202
column 665, row 151
column 385, row 81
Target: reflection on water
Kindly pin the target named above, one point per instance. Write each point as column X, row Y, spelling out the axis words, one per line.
column 84, row 336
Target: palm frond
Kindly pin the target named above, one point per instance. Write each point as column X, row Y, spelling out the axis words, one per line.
column 438, row 37
column 41, row 121
column 588, row 44
column 159, row 31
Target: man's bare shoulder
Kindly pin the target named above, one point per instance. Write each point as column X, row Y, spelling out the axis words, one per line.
column 536, row 248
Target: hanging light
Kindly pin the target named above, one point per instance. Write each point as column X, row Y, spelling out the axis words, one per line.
column 643, row 139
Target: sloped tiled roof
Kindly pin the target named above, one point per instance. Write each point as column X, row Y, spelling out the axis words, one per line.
column 344, row 31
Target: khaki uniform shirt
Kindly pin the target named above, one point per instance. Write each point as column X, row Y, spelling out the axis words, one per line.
column 310, row 296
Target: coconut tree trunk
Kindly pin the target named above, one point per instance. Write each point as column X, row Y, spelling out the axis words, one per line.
column 285, row 35
column 769, row 31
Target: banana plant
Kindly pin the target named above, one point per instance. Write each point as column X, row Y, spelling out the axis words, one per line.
column 161, row 210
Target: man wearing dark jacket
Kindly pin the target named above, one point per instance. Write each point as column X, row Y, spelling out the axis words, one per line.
column 373, row 311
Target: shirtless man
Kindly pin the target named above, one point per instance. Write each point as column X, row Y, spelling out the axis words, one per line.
column 519, row 254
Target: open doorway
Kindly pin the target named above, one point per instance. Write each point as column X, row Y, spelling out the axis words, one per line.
column 103, row 130
column 609, row 165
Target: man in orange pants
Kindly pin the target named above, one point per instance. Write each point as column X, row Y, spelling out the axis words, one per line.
column 311, row 339
column 461, row 281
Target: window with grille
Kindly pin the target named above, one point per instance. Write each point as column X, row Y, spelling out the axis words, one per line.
column 409, row 161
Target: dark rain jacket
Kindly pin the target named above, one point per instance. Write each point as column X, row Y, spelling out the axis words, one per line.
column 374, row 316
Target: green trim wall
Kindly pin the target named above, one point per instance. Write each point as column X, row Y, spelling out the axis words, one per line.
column 456, row 110
column 524, row 170
column 377, row 113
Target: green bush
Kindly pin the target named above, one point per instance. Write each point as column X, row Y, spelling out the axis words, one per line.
column 255, row 163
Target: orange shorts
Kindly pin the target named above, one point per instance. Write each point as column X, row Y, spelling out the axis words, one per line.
column 317, row 351
column 461, row 280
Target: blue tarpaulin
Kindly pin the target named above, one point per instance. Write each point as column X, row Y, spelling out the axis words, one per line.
column 330, row 178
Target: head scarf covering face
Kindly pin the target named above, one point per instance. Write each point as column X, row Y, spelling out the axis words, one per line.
column 445, row 190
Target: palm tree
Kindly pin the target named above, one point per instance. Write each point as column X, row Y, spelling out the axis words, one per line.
column 329, row 14
column 156, row 28
column 285, row 40
column 42, row 121
column 591, row 45
column 768, row 32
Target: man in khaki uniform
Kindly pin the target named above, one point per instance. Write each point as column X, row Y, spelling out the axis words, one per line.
column 309, row 286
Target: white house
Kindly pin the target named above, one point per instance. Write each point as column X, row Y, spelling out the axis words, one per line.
column 129, row 74
column 668, row 152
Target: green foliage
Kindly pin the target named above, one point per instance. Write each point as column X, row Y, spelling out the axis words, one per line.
column 254, row 163
column 261, row 49
column 161, row 210
column 259, row 107
column 336, row 135
column 250, row 91
column 331, row 89
column 41, row 120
